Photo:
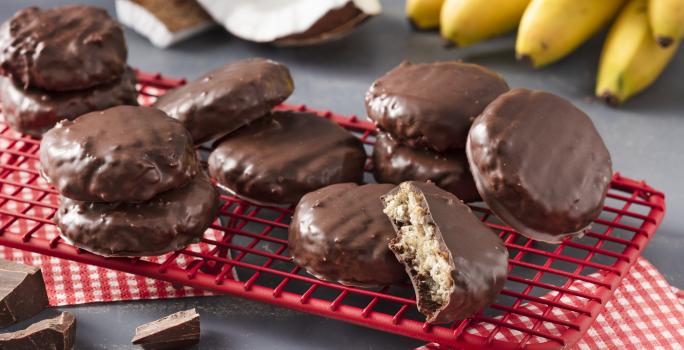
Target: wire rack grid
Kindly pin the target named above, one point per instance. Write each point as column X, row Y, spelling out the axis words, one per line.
column 553, row 292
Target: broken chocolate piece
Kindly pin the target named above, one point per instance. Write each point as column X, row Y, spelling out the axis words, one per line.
column 22, row 291
column 171, row 332
column 56, row 333
column 456, row 264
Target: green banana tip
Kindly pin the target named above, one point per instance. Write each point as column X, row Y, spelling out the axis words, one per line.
column 664, row 41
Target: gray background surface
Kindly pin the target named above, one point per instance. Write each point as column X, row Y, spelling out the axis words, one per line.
column 645, row 137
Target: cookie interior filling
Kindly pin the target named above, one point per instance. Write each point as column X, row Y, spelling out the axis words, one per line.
column 418, row 247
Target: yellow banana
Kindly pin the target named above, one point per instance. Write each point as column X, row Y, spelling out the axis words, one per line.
column 424, row 14
column 667, row 20
column 551, row 29
column 631, row 59
column 466, row 22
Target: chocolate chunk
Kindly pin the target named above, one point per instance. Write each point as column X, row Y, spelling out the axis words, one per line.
column 281, row 158
column 35, row 111
column 432, row 104
column 22, row 292
column 175, row 331
column 229, row 97
column 340, row 234
column 539, row 164
column 63, row 48
column 394, row 162
column 457, row 265
column 56, row 333
column 167, row 222
column 121, row 154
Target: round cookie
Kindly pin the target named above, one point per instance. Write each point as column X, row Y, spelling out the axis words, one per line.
column 167, row 222
column 63, row 48
column 539, row 164
column 279, row 159
column 394, row 162
column 36, row 111
column 432, row 104
column 340, row 234
column 229, row 97
column 121, row 154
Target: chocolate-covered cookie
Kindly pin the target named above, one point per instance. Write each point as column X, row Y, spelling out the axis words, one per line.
column 167, row 222
column 432, row 104
column 286, row 155
column 340, row 234
column 229, row 97
column 62, row 48
column 121, row 154
column 457, row 264
column 394, row 162
column 35, row 111
column 539, row 164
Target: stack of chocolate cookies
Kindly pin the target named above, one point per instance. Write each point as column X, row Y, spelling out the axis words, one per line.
column 61, row 63
column 424, row 112
column 129, row 182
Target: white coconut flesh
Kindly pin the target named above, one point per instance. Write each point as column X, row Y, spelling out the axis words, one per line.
column 270, row 20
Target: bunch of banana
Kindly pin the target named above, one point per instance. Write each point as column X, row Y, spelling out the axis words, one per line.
column 640, row 43
column 632, row 58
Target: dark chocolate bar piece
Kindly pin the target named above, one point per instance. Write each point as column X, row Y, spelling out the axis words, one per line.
column 22, row 292
column 175, row 331
column 56, row 333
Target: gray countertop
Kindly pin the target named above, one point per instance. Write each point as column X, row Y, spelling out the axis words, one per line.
column 645, row 137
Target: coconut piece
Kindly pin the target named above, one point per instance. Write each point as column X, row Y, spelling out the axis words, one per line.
column 164, row 22
column 293, row 22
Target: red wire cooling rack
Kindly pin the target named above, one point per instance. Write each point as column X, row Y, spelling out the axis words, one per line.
column 250, row 258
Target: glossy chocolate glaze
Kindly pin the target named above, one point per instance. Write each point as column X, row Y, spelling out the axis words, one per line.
column 540, row 164
column 63, row 48
column 432, row 104
column 279, row 159
column 35, row 111
column 394, row 162
column 340, row 234
column 167, row 222
column 477, row 255
column 227, row 98
column 121, row 154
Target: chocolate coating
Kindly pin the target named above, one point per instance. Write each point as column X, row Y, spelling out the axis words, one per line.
column 478, row 257
column 63, row 48
column 281, row 158
column 121, row 154
column 165, row 223
column 432, row 104
column 340, row 234
column 229, row 97
column 539, row 164
column 36, row 111
column 394, row 162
